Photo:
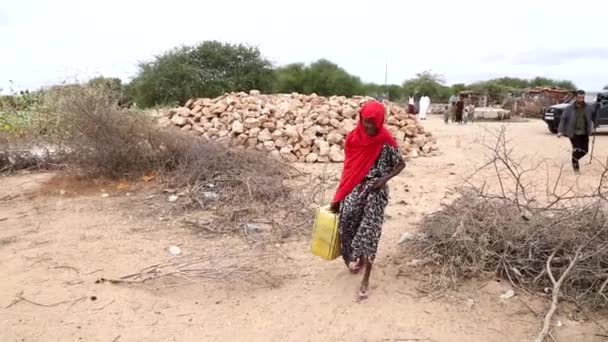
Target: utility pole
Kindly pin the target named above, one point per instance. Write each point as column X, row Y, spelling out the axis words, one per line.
column 386, row 110
column 386, row 79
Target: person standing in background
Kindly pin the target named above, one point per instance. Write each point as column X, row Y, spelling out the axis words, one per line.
column 425, row 102
column 411, row 108
column 449, row 113
column 459, row 110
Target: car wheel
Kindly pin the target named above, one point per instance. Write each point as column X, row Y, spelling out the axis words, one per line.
column 552, row 129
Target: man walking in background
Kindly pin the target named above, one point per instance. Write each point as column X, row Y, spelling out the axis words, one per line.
column 577, row 123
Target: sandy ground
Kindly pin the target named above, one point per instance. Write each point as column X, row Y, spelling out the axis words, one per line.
column 53, row 247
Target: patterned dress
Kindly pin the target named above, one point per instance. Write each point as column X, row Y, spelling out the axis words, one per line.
column 362, row 211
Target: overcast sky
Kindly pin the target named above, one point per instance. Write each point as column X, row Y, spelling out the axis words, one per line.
column 45, row 42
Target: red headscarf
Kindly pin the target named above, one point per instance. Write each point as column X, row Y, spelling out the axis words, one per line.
column 361, row 150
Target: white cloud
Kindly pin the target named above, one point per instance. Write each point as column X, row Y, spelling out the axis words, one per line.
column 46, row 41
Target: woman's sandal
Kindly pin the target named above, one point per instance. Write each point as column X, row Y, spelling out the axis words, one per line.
column 363, row 294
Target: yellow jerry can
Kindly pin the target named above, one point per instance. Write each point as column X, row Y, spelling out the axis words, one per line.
column 325, row 236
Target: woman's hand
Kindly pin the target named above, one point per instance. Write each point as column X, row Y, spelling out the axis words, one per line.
column 379, row 183
column 335, row 207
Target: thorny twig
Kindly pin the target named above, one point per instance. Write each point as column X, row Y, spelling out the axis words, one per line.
column 20, row 298
column 556, row 241
column 215, row 266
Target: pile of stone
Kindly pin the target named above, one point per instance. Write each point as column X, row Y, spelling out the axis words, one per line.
column 437, row 108
column 293, row 127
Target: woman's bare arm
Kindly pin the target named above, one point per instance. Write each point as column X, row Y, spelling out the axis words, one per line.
column 381, row 182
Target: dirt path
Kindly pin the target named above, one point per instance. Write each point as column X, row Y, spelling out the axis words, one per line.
column 53, row 248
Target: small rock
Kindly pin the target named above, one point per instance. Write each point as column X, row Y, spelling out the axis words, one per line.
column 336, row 155
column 559, row 323
column 415, row 263
column 210, row 195
column 178, row 120
column 251, row 123
column 407, row 236
column 323, row 148
column 172, row 198
column 507, row 295
column 237, row 127
column 253, row 228
column 175, row 250
column 264, row 135
column 105, row 195
column 334, row 138
column 311, row 158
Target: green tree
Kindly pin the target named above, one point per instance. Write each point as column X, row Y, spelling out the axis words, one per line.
column 427, row 83
column 204, row 70
column 565, row 84
column 393, row 91
column 373, row 89
column 457, row 88
column 321, row 77
column 493, row 89
column 516, row 83
column 290, row 78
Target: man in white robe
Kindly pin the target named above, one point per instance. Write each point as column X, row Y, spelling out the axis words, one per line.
column 425, row 103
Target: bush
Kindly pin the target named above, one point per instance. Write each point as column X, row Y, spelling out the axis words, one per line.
column 19, row 114
column 119, row 92
column 528, row 231
column 106, row 142
column 427, row 83
column 102, row 140
column 204, row 70
column 321, row 77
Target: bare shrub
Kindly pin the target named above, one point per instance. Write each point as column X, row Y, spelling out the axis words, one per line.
column 202, row 166
column 105, row 141
column 102, row 140
column 548, row 241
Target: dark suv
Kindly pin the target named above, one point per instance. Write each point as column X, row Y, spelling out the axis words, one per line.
column 552, row 114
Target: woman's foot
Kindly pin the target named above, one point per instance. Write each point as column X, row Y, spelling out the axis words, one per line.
column 363, row 294
column 355, row 266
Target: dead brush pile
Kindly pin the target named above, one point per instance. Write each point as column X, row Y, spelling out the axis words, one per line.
column 105, row 141
column 476, row 235
column 551, row 241
column 241, row 192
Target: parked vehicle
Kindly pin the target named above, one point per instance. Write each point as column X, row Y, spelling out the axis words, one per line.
column 553, row 114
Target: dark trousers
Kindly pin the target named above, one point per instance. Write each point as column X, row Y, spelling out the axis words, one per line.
column 580, row 147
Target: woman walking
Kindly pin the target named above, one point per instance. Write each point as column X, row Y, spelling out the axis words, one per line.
column 371, row 160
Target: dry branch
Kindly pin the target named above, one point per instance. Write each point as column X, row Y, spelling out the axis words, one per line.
column 224, row 266
column 537, row 238
column 19, row 298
